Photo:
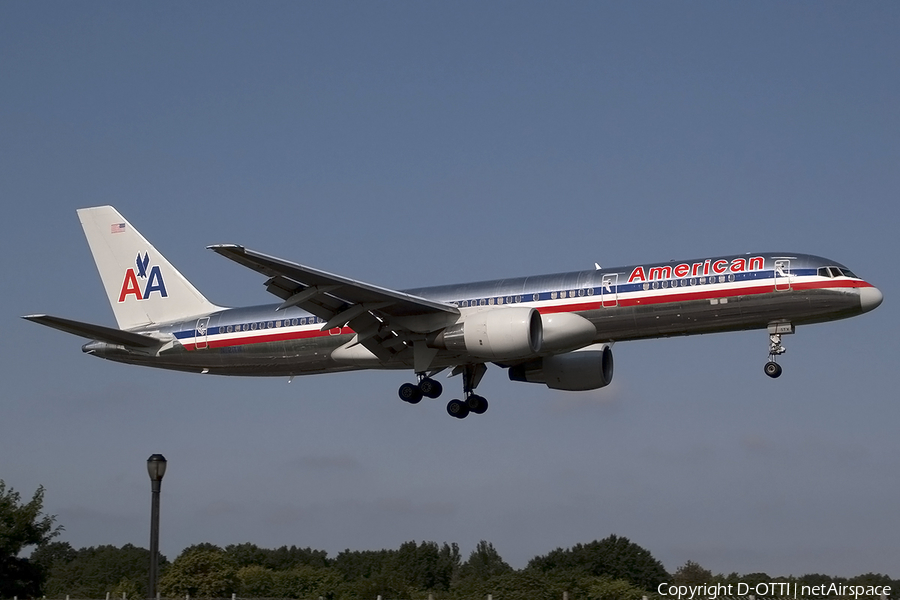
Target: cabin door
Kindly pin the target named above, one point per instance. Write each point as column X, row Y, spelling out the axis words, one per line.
column 201, row 335
column 782, row 275
column 609, row 290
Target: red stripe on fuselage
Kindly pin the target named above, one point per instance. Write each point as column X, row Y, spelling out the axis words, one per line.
column 643, row 300
column 701, row 295
column 282, row 336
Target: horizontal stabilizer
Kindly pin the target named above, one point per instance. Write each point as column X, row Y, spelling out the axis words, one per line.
column 96, row 332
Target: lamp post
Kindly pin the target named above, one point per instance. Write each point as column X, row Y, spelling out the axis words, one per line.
column 156, row 467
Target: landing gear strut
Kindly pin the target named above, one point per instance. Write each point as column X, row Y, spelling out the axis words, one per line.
column 473, row 403
column 431, row 388
column 776, row 349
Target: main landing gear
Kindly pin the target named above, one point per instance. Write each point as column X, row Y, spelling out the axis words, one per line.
column 472, row 403
column 413, row 392
column 772, row 368
column 430, row 388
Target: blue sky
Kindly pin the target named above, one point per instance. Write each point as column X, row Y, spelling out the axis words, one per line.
column 411, row 144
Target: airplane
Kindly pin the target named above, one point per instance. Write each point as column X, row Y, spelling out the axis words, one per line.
column 557, row 330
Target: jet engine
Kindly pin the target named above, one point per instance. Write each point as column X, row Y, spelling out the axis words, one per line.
column 566, row 331
column 574, row 371
column 495, row 334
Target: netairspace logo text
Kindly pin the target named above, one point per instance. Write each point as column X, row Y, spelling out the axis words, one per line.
column 781, row 589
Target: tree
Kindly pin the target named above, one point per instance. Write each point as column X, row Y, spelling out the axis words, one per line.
column 484, row 562
column 95, row 571
column 128, row 589
column 49, row 556
column 284, row 558
column 528, row 584
column 280, row 559
column 22, row 526
column 199, row 572
column 361, row 564
column 604, row 588
column 426, row 566
column 256, row 581
column 615, row 557
column 691, row 573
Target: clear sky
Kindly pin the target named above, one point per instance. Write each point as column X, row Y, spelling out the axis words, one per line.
column 411, row 144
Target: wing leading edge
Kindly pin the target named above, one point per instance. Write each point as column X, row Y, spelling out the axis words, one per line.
column 385, row 320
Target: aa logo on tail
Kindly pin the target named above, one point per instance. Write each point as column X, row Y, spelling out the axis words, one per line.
column 154, row 280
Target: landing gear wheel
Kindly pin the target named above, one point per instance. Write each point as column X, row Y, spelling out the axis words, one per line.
column 773, row 369
column 477, row 404
column 458, row 409
column 430, row 388
column 409, row 392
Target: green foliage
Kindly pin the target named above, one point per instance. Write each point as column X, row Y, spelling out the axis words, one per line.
column 426, row 566
column 92, row 572
column 256, row 581
column 410, row 571
column 360, row 564
column 22, row 526
column 516, row 585
column 280, row 559
column 128, row 589
column 200, row 572
column 691, row 573
column 606, row 588
column 47, row 556
column 615, row 557
column 484, row 562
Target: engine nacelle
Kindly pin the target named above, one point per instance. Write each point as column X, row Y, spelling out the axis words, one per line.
column 574, row 371
column 496, row 334
column 565, row 331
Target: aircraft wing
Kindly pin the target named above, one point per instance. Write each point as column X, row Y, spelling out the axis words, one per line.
column 95, row 332
column 383, row 319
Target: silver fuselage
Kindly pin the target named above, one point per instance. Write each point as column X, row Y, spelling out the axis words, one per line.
column 653, row 300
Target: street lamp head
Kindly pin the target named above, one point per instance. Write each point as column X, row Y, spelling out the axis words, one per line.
column 156, row 467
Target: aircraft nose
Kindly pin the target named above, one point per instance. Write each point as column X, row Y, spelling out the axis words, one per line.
column 870, row 298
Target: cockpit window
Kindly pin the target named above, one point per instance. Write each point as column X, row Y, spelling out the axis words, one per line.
column 835, row 272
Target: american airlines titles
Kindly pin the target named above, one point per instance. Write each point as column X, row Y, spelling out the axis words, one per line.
column 699, row 269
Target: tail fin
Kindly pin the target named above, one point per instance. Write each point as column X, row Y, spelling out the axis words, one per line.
column 142, row 286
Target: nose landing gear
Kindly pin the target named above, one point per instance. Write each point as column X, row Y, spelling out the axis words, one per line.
column 776, row 330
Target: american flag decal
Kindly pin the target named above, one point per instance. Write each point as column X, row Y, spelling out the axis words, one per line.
column 117, row 228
